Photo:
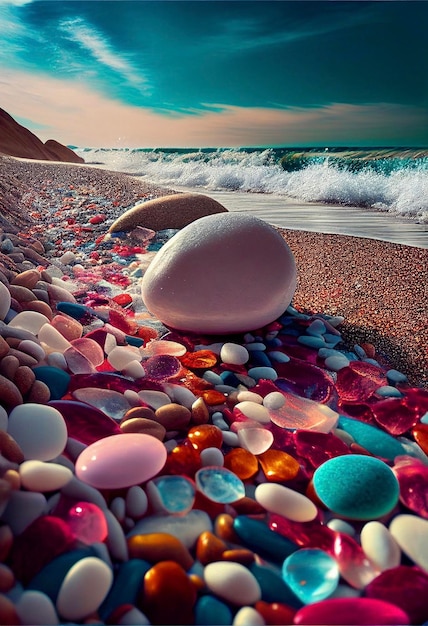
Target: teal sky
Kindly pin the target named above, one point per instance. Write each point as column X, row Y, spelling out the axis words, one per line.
column 207, row 73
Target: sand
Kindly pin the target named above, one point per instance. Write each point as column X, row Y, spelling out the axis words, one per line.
column 379, row 288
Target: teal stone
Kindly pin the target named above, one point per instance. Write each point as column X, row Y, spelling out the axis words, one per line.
column 356, row 486
column 257, row 536
column 177, row 493
column 273, row 586
column 128, row 582
column 56, row 379
column 50, row 578
column 262, row 373
column 376, row 441
column 134, row 341
column 312, row 574
column 219, row 484
column 209, row 610
column 311, row 341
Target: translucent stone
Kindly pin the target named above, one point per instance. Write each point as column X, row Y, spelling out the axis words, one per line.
column 161, row 367
column 219, row 484
column 420, row 434
column 160, row 346
column 168, row 580
column 67, row 326
column 359, row 381
column 404, row 587
column 111, row 403
column 183, row 459
column 255, row 440
column 122, row 356
column 205, row 436
column 201, row 359
column 354, row 566
column 278, row 466
column 412, row 477
column 87, row 522
column 305, row 379
column 311, row 574
column 52, row 340
column 174, row 495
column 30, row 321
column 242, row 463
column 358, row 611
column 155, row 547
column 317, row 448
column 302, row 413
column 306, row 534
column 396, row 415
column 253, row 411
column 84, row 422
column 77, row 362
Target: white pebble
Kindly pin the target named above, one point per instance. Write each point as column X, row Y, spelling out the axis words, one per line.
column 274, row 400
column 253, row 411
column 84, row 588
column 56, row 359
column 380, row 546
column 39, row 430
column 283, row 501
column 134, row 617
column 30, row 321
column 154, row 399
column 249, row 396
column 340, row 526
column 255, row 440
column 411, row 534
column 248, row 616
column 116, row 540
column 67, row 258
column 180, row 395
column 336, row 362
column 40, row 476
column 232, row 582
column 212, row 456
column 136, row 502
column 234, row 354
column 187, row 527
column 51, row 339
column 121, row 356
column 134, row 370
column 35, row 607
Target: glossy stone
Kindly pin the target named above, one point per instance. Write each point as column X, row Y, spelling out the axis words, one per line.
column 278, row 466
column 351, row 611
column 255, row 440
column 236, row 245
column 219, row 484
column 121, row 461
column 87, row 522
column 127, row 583
column 241, row 462
column 232, row 582
column 41, row 476
column 273, row 586
column 283, row 501
column 209, row 548
column 186, row 528
column 373, row 439
column 412, row 476
column 380, row 546
column 356, row 486
column 210, row 610
column 312, row 574
column 174, row 495
column 411, row 534
column 257, row 536
column 155, row 547
column 84, row 422
column 46, row 441
column 205, row 436
column 302, row 413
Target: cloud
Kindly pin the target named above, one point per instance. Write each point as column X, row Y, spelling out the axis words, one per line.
column 92, row 41
column 73, row 114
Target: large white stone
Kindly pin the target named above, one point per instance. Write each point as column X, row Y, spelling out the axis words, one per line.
column 223, row 273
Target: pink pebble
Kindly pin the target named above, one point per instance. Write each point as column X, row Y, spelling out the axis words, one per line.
column 121, row 461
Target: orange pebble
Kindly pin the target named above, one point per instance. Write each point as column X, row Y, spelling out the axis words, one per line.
column 183, row 459
column 201, row 359
column 242, row 463
column 213, row 397
column 420, row 434
column 239, row 555
column 278, row 466
column 223, row 528
column 248, row 506
column 275, row 613
column 209, row 548
column 155, row 547
column 205, row 436
column 146, row 333
column 168, row 595
column 200, row 413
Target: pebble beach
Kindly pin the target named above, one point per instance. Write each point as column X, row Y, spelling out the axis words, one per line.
column 350, row 356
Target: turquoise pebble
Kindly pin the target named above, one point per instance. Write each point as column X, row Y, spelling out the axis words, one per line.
column 356, row 486
column 256, row 535
column 254, row 346
column 210, row 610
column 212, row 377
column 176, row 493
column 324, row 353
column 50, row 578
column 387, row 391
column 394, row 377
column 311, row 341
column 373, row 439
column 56, row 379
column 312, row 574
column 279, row 357
column 360, row 352
column 332, row 340
column 372, row 362
column 336, row 362
column 77, row 311
column 273, row 586
column 317, row 327
column 134, row 341
column 219, row 484
column 128, row 581
column 262, row 373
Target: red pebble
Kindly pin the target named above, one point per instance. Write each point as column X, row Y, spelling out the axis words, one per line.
column 275, row 613
column 46, row 538
column 350, row 612
column 98, row 219
column 123, row 299
column 405, row 587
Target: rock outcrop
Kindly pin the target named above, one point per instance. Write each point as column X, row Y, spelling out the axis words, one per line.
column 18, row 141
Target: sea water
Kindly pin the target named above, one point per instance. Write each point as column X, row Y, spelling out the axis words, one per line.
column 371, row 193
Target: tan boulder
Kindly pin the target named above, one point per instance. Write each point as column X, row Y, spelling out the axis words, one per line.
column 172, row 211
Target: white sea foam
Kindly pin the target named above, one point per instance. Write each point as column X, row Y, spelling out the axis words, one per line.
column 402, row 191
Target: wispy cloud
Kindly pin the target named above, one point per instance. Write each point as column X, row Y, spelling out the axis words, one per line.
column 92, row 41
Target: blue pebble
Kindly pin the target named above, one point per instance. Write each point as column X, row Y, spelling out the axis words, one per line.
column 77, row 311
column 229, row 378
column 323, row 353
column 256, row 345
column 372, row 362
column 279, row 357
column 356, row 486
column 316, row 328
column 311, row 341
column 332, row 340
column 273, row 587
column 56, row 379
column 128, row 581
column 394, row 377
column 134, row 341
column 261, row 539
column 387, row 391
column 259, row 359
column 209, row 610
column 273, row 343
column 373, row 439
column 312, row 574
column 219, row 484
column 360, row 352
column 265, row 373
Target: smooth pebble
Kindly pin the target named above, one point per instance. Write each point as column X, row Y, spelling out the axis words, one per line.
column 291, row 504
column 40, row 476
column 380, row 546
column 232, row 582
column 35, row 607
column 39, row 430
column 234, row 354
column 411, row 534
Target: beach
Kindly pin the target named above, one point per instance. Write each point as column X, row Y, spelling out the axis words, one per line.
column 380, row 288
column 155, row 476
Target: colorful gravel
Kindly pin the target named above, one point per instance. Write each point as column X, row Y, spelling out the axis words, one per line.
column 150, row 476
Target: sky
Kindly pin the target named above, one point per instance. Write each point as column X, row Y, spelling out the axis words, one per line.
column 206, row 73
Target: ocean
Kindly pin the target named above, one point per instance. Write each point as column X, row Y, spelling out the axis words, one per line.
column 380, row 193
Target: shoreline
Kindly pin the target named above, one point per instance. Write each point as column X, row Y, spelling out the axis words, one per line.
column 375, row 285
